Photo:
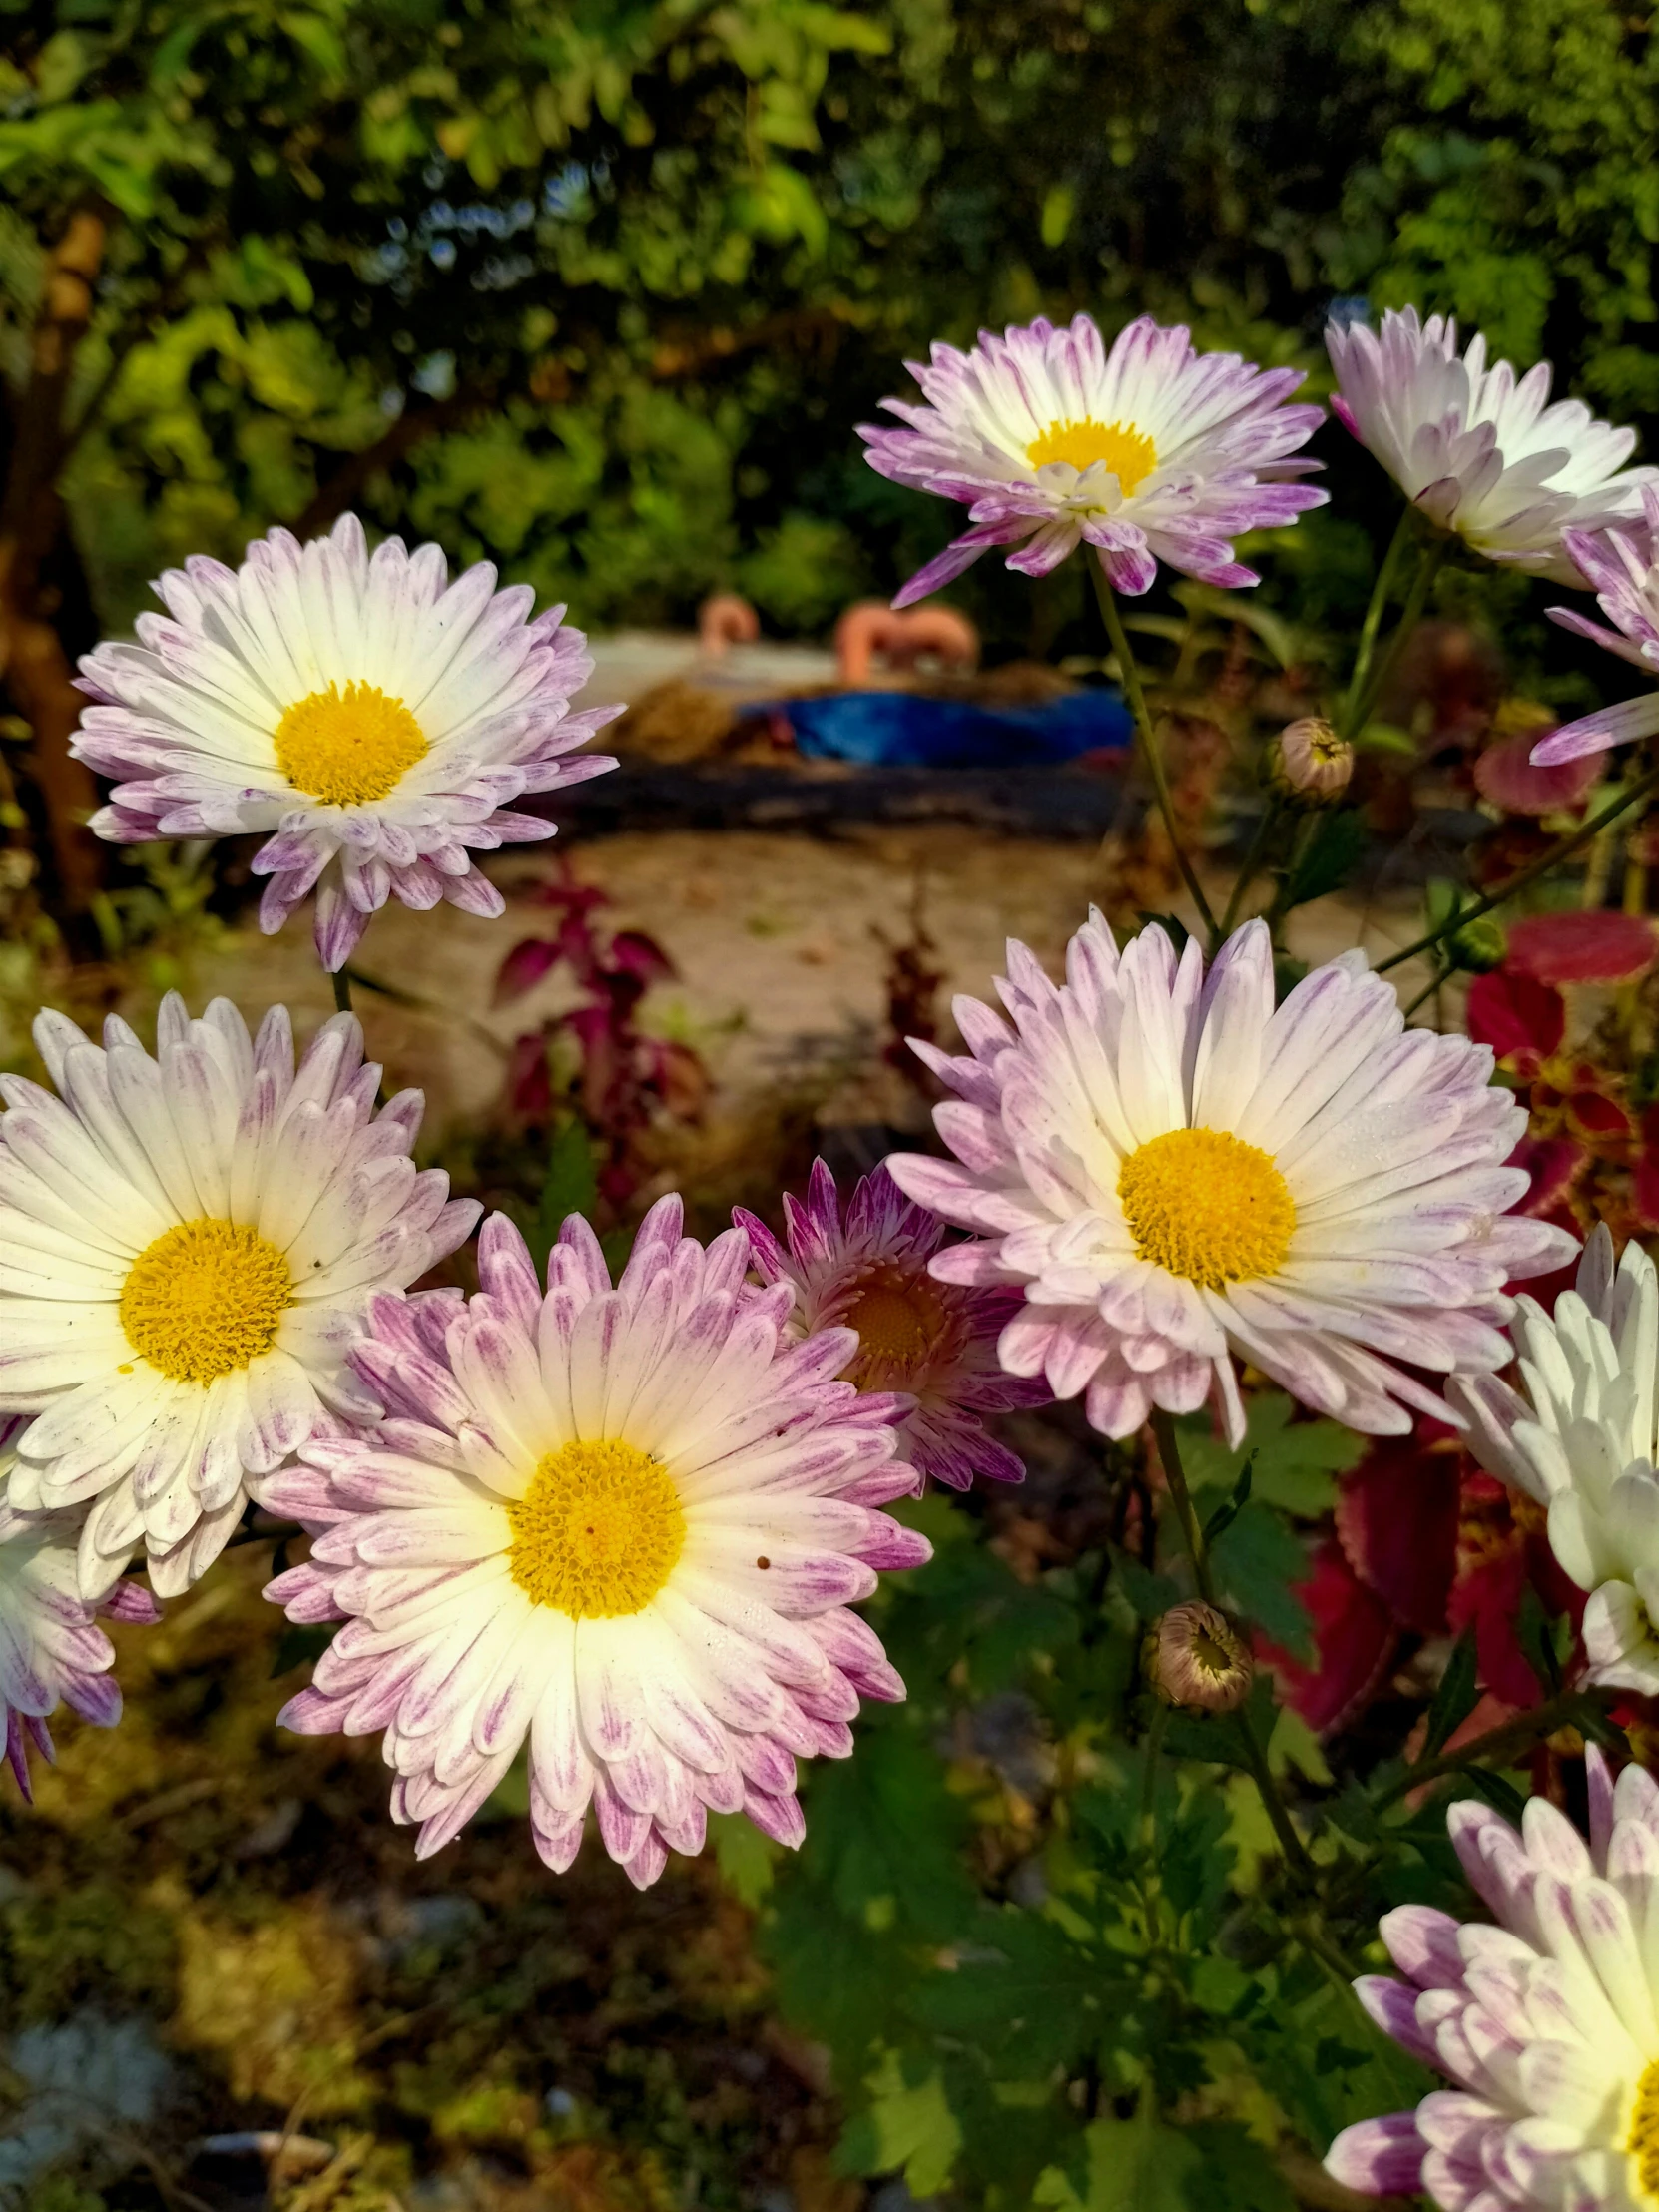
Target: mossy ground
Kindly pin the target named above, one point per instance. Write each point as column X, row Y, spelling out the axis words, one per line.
column 472, row 2032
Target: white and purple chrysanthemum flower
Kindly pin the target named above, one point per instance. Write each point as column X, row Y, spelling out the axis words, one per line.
column 370, row 717
column 52, row 1652
column 1622, row 566
column 934, row 1342
column 1546, row 2024
column 188, row 1245
column 1479, row 450
column 1148, row 453
column 1581, row 1443
column 1174, row 1171
column 623, row 1524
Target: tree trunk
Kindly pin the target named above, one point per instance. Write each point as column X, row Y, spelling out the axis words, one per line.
column 33, row 660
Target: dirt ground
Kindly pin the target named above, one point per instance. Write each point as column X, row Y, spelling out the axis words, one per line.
column 780, row 941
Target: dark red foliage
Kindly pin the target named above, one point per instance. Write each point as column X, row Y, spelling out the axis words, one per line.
column 1428, row 1545
column 626, row 1079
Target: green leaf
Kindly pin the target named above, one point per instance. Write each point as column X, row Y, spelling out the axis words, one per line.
column 1255, row 1561
column 908, row 2127
column 744, row 1856
column 1228, row 1511
column 1332, row 854
column 1238, row 2174
column 301, row 1645
column 1454, row 1695
column 1536, row 1634
column 1023, row 1993
column 1292, row 1461
column 1150, row 1594
column 1137, row 2165
column 570, row 1186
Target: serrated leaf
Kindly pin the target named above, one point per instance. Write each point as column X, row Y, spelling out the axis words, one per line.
column 1255, row 1563
column 908, row 2127
column 1137, row 2165
column 1293, row 1463
column 1024, row 1993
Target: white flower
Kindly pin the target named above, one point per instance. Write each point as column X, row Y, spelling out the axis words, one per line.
column 1581, row 1441
column 378, row 717
column 187, row 1246
column 624, row 1524
column 1478, row 449
column 52, row 1652
column 1546, row 2026
column 1175, row 1172
column 1148, row 453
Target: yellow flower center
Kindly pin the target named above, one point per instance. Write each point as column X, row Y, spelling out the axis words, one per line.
column 204, row 1298
column 1643, row 2146
column 898, row 1317
column 1206, row 1205
column 1129, row 453
column 598, row 1533
column 349, row 746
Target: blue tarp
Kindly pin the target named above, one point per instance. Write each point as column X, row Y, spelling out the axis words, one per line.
column 891, row 729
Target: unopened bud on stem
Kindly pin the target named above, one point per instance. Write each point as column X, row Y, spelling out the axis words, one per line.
column 1195, row 1657
column 1310, row 764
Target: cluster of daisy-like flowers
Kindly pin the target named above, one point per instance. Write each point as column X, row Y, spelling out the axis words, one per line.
column 618, row 1526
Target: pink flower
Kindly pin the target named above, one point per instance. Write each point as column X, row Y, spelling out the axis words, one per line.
column 934, row 1342
column 1544, row 2024
column 1178, row 1172
column 50, row 1650
column 375, row 722
column 1622, row 564
column 1148, row 453
column 621, row 1525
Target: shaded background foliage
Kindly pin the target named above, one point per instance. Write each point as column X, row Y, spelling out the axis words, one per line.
column 600, row 291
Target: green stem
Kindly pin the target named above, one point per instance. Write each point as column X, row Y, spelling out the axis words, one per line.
column 1373, row 617
column 1562, row 849
column 343, row 990
column 1248, row 871
column 1428, row 989
column 1497, row 1743
column 1290, row 1843
column 1131, row 676
column 1357, row 713
column 1307, row 831
column 1169, row 1454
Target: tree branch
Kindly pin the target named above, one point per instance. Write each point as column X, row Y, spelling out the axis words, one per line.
column 32, row 656
column 412, row 427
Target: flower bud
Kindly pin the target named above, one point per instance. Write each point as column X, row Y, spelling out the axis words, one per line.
column 1310, row 764
column 1480, row 947
column 1195, row 1657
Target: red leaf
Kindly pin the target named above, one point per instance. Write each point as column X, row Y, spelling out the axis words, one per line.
column 640, row 955
column 1594, row 947
column 523, row 967
column 1522, row 1020
column 1504, row 774
column 1355, row 1638
column 1594, row 1115
column 1396, row 1522
column 1554, row 1164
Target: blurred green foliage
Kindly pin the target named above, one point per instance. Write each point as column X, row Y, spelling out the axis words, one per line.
column 600, row 291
